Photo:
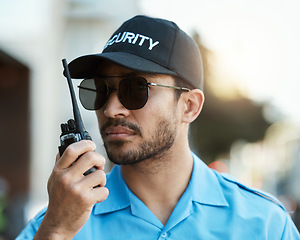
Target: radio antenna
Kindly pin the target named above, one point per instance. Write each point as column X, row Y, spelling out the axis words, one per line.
column 76, row 112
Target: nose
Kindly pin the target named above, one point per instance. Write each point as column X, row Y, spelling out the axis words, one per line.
column 114, row 108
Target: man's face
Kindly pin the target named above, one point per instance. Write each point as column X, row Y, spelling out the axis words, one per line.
column 131, row 136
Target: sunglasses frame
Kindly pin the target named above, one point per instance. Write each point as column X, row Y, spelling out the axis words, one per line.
column 109, row 89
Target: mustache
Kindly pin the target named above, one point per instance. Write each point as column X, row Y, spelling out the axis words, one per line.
column 120, row 122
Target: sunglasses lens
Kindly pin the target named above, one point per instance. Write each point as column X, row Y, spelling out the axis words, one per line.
column 133, row 92
column 93, row 93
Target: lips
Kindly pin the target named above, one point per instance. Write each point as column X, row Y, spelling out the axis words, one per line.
column 118, row 133
column 119, row 129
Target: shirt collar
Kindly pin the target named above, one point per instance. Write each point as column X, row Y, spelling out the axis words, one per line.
column 118, row 197
column 204, row 188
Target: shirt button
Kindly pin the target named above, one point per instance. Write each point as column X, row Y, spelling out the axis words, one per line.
column 163, row 235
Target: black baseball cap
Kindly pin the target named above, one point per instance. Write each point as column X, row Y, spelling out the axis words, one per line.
column 150, row 45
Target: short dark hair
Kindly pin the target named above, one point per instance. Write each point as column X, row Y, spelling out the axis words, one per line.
column 179, row 82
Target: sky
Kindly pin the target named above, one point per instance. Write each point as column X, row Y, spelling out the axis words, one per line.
column 256, row 43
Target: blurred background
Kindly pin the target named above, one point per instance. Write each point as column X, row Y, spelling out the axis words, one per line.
column 249, row 126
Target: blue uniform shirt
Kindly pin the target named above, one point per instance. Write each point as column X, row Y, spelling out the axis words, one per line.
column 213, row 206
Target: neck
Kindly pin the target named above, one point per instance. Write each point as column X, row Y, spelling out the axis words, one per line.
column 153, row 181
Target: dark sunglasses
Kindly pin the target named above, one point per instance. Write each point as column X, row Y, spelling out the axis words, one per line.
column 133, row 92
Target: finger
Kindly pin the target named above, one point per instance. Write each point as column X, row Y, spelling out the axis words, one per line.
column 57, row 157
column 96, row 178
column 87, row 161
column 99, row 194
column 73, row 151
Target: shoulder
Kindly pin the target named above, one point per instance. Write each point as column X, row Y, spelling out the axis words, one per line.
column 255, row 209
column 32, row 226
column 264, row 209
column 232, row 188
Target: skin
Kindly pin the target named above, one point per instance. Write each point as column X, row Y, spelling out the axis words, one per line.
column 152, row 179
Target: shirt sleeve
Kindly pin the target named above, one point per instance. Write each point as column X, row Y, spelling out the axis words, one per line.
column 290, row 231
column 31, row 228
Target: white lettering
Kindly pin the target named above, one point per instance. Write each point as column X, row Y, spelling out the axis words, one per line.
column 143, row 39
column 119, row 40
column 132, row 38
column 136, row 38
column 151, row 44
column 111, row 41
column 129, row 36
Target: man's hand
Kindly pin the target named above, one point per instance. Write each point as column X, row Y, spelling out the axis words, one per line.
column 71, row 194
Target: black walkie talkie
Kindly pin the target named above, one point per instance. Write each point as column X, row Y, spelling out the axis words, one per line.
column 73, row 130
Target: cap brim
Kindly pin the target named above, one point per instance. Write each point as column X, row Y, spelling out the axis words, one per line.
column 86, row 66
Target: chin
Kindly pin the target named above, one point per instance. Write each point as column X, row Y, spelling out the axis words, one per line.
column 120, row 154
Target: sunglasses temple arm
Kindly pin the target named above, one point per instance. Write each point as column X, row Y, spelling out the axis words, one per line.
column 85, row 88
column 166, row 86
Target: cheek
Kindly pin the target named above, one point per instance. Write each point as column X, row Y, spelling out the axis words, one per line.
column 160, row 99
column 153, row 114
column 162, row 106
column 100, row 117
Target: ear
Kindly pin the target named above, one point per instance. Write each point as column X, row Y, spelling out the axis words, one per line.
column 192, row 105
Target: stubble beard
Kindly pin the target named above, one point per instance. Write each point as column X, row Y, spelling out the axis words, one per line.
column 161, row 141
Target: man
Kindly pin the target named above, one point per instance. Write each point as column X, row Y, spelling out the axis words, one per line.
column 146, row 89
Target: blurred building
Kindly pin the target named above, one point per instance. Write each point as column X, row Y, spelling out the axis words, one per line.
column 34, row 97
column 34, row 100
column 272, row 164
